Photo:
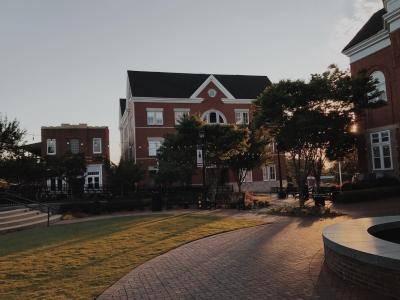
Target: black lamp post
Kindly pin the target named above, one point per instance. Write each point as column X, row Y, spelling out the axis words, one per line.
column 202, row 135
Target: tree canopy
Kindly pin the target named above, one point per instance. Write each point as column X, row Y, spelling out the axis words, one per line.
column 312, row 121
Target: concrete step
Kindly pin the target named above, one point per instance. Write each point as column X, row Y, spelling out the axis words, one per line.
column 53, row 219
column 19, row 216
column 29, row 219
column 13, row 212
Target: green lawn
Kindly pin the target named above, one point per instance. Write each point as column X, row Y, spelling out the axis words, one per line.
column 79, row 261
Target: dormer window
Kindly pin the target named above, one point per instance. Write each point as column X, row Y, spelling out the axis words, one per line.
column 380, row 86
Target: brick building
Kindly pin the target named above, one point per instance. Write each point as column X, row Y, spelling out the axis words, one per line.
column 376, row 48
column 156, row 101
column 92, row 141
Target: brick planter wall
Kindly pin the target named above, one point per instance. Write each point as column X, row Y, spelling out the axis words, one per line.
column 379, row 279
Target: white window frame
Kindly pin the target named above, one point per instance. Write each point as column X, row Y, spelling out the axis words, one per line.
column 100, row 144
column 381, row 144
column 154, row 112
column 249, row 176
column 380, row 86
column 183, row 111
column 239, row 116
column 151, row 140
column 206, row 116
column 48, row 144
column 266, row 170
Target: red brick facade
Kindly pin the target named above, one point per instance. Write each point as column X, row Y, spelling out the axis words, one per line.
column 380, row 53
column 92, row 141
column 135, row 144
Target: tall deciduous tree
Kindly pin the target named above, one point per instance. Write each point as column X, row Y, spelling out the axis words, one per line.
column 311, row 121
column 11, row 137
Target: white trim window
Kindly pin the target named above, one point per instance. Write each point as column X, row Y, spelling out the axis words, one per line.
column 155, row 116
column 242, row 116
column 269, row 173
column 380, row 86
column 97, row 146
column 180, row 113
column 154, row 145
column 381, row 150
column 51, row 147
column 214, row 117
column 249, row 176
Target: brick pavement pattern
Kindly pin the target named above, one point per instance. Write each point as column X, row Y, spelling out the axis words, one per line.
column 283, row 260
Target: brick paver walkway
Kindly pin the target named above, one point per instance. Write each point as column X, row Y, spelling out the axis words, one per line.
column 283, row 260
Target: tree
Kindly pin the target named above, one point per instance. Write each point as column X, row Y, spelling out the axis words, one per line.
column 253, row 156
column 312, row 121
column 125, row 175
column 11, row 136
column 177, row 155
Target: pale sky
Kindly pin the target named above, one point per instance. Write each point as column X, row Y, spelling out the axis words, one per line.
column 66, row 61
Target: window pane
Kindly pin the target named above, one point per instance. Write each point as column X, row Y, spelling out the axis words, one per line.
column 376, row 152
column 245, row 118
column 150, row 118
column 221, row 120
column 385, row 136
column 97, row 145
column 387, row 163
column 159, row 118
column 74, row 146
column 213, row 118
column 375, row 138
column 386, row 150
column 377, row 163
column 264, row 172
column 272, row 173
column 238, row 118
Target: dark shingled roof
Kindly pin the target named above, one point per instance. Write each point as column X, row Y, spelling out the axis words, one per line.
column 373, row 26
column 183, row 85
column 122, row 106
column 35, row 148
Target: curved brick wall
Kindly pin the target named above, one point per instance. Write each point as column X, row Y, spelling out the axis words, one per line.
column 359, row 257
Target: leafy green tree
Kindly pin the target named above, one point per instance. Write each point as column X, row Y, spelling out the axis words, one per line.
column 254, row 155
column 177, row 155
column 11, row 137
column 311, row 121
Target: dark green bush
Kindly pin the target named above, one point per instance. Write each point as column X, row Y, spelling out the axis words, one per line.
column 366, row 194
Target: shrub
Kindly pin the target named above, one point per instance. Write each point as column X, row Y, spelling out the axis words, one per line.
column 366, row 194
column 369, row 184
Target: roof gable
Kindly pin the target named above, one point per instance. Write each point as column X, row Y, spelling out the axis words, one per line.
column 372, row 27
column 214, row 80
column 184, row 85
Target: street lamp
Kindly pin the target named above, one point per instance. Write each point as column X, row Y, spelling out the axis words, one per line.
column 202, row 136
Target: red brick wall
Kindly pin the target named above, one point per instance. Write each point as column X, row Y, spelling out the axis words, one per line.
column 85, row 135
column 379, row 279
column 143, row 131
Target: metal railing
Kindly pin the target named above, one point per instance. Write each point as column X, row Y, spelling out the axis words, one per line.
column 12, row 200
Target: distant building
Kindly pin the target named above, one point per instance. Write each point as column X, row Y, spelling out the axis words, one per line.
column 156, row 101
column 376, row 48
column 92, row 141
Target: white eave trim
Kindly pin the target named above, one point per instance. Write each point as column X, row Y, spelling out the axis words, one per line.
column 167, row 100
column 369, row 46
column 238, row 101
column 218, row 84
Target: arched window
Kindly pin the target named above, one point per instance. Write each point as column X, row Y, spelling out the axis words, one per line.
column 380, row 86
column 214, row 117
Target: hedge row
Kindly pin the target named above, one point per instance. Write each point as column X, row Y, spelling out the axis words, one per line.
column 366, row 194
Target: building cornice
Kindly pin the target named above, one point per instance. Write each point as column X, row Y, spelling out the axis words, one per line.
column 371, row 45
